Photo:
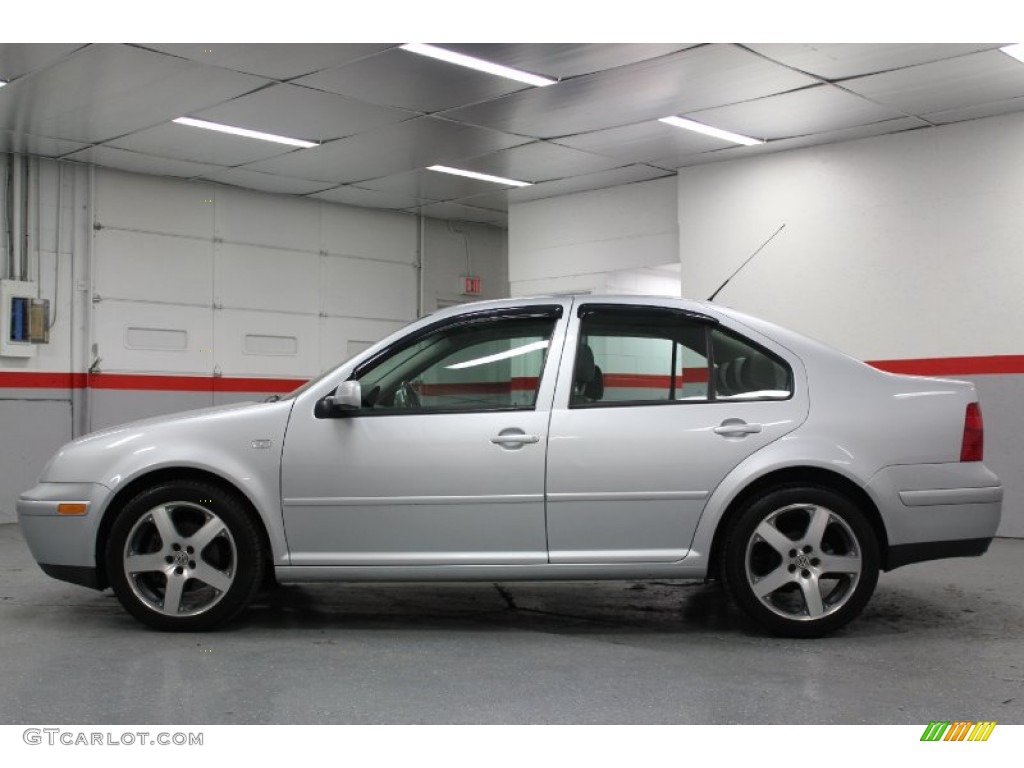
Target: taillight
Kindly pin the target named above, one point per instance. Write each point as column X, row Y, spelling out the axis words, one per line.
column 973, row 446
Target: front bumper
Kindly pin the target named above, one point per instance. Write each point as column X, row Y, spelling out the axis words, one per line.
column 934, row 511
column 63, row 545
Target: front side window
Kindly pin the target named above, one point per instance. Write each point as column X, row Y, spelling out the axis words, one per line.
column 629, row 355
column 488, row 364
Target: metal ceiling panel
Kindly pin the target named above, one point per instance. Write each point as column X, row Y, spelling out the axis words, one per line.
column 407, row 146
column 135, row 162
column 104, row 91
column 644, row 142
column 836, row 61
column 698, row 78
column 17, row 59
column 494, row 201
column 945, row 85
column 832, row 137
column 599, row 180
column 461, row 212
column 819, row 109
column 24, row 144
column 278, row 61
column 430, row 185
column 992, row 109
column 367, row 198
column 264, row 182
column 183, row 142
column 407, row 80
column 302, row 113
column 540, row 161
column 562, row 60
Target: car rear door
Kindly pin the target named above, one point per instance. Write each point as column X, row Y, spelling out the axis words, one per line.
column 654, row 407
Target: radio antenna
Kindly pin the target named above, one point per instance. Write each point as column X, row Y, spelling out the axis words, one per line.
column 741, row 266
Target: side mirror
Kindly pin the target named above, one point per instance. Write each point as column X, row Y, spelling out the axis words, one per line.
column 347, row 398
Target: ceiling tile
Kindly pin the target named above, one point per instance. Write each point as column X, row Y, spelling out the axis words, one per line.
column 991, row 109
column 562, row 60
column 104, row 91
column 407, row 80
column 831, row 137
column 644, row 142
column 407, row 146
column 123, row 160
column 835, row 61
column 265, row 182
column 797, row 113
column 461, row 212
column 18, row 59
column 368, row 198
column 495, row 201
column 967, row 81
column 540, row 161
column 302, row 113
column 183, row 142
column 279, row 61
column 431, row 185
column 699, row 78
column 600, row 180
column 25, row 144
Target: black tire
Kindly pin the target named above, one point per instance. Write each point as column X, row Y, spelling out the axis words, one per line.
column 184, row 556
column 792, row 544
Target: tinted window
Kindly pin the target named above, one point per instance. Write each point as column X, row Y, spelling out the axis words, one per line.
column 485, row 365
column 744, row 371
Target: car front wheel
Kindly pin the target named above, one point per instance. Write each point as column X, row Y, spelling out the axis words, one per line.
column 184, row 556
column 801, row 560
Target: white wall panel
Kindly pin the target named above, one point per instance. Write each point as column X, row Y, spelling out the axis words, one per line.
column 138, row 265
column 113, row 319
column 231, row 327
column 340, row 338
column 593, row 232
column 32, row 433
column 369, row 234
column 894, row 247
column 370, row 289
column 131, row 201
column 261, row 278
column 272, row 220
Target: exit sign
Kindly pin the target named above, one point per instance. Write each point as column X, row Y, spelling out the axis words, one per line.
column 471, row 286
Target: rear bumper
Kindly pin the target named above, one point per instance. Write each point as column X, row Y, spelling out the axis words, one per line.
column 934, row 511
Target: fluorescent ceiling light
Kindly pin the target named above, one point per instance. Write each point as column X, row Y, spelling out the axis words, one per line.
column 3, row 83
column 509, row 353
column 244, row 132
column 707, row 130
column 1016, row 50
column 481, row 65
column 480, row 176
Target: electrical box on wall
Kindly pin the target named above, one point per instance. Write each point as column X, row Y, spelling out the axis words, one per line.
column 24, row 319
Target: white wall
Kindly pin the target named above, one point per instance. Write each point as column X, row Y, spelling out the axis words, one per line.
column 900, row 246
column 571, row 243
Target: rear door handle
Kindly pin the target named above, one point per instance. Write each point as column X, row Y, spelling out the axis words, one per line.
column 736, row 428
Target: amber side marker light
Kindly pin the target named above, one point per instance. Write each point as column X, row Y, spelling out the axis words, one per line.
column 72, row 508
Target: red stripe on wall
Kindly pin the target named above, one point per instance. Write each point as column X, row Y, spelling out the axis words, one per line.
column 940, row 366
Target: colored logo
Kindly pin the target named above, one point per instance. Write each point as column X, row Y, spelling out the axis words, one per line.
column 958, row 730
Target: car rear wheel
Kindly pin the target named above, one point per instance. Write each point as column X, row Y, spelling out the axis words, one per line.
column 184, row 556
column 801, row 560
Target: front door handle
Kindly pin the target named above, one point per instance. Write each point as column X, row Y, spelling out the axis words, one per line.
column 514, row 438
column 736, row 428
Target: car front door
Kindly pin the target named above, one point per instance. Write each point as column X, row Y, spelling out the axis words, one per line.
column 660, row 405
column 444, row 462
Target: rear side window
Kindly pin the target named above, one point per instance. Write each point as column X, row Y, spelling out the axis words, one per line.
column 629, row 355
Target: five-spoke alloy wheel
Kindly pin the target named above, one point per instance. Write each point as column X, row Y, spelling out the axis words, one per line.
column 184, row 555
column 801, row 560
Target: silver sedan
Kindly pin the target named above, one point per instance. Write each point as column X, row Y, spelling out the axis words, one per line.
column 549, row 438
